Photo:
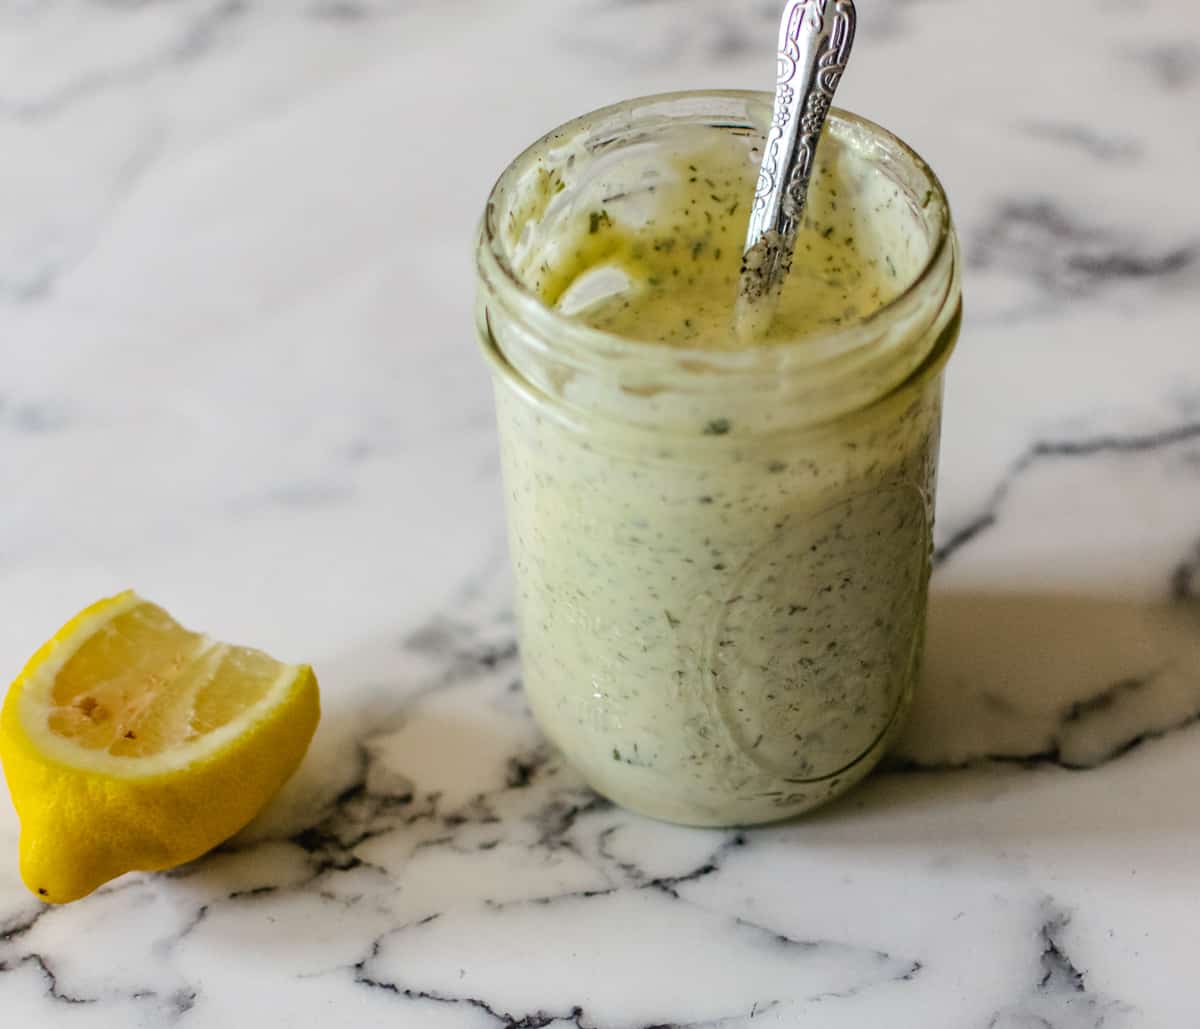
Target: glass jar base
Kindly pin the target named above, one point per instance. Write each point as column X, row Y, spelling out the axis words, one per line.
column 646, row 793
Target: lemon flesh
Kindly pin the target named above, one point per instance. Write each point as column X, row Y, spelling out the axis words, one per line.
column 131, row 743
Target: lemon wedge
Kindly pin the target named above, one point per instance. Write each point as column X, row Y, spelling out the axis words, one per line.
column 130, row 743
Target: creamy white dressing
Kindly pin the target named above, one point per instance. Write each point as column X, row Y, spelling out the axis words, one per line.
column 719, row 624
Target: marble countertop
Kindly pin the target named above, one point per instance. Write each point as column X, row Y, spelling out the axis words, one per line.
column 240, row 375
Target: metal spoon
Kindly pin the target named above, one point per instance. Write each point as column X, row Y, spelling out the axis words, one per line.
column 815, row 37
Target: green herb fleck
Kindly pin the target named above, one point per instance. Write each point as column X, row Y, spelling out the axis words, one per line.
column 717, row 427
column 598, row 220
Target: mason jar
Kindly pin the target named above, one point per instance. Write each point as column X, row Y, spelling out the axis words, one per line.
column 721, row 557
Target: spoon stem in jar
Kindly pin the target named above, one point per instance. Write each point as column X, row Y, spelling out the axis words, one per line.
column 815, row 37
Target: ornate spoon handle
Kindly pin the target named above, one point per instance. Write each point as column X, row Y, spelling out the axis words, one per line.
column 815, row 37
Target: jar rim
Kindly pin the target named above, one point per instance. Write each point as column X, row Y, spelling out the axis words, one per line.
column 569, row 333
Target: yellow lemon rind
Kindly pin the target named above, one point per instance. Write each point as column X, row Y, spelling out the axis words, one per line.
column 85, row 821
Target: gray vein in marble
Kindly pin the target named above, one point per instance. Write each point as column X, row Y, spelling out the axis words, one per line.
column 1110, row 149
column 1061, row 997
column 1064, row 258
column 507, row 1021
column 504, row 1019
column 340, row 10
column 629, row 868
column 635, row 877
column 1107, row 699
column 53, row 990
column 1174, row 65
column 34, row 276
column 645, row 33
column 196, row 36
column 891, row 970
column 1047, row 450
column 1185, row 579
column 313, row 495
column 1059, row 973
column 546, row 901
column 182, row 1001
column 669, row 884
column 352, row 11
column 1080, row 724
column 891, row 19
column 18, row 925
column 168, row 943
column 625, row 31
column 34, row 418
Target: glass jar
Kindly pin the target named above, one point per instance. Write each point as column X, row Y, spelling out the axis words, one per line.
column 721, row 558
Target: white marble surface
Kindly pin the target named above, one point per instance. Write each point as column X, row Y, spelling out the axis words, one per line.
column 239, row 374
